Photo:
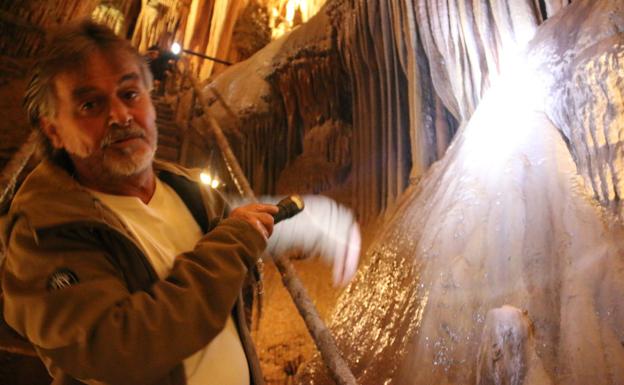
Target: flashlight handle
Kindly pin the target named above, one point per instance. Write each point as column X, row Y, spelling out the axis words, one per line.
column 288, row 207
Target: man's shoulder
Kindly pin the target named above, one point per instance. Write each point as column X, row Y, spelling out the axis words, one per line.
column 45, row 181
column 192, row 174
column 173, row 174
column 50, row 194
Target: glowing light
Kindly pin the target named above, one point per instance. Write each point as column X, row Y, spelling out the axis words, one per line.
column 490, row 143
column 176, row 48
column 209, row 180
column 289, row 13
column 205, row 178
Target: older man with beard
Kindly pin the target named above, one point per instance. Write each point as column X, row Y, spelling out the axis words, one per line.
column 120, row 269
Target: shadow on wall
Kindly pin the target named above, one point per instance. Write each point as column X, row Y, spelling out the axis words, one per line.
column 17, row 369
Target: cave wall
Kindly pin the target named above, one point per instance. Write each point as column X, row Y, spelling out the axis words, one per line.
column 510, row 216
column 398, row 122
column 388, row 82
column 348, row 101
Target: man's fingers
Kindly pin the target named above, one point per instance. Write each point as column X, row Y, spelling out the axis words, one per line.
column 257, row 208
column 263, row 207
column 259, row 215
column 261, row 229
column 267, row 222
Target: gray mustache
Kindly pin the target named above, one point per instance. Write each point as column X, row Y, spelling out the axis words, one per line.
column 116, row 135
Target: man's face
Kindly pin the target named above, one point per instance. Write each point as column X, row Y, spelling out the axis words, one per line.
column 104, row 117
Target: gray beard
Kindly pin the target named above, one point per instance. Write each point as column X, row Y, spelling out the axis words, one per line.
column 128, row 166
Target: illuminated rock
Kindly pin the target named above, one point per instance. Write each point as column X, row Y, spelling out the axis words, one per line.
column 508, row 217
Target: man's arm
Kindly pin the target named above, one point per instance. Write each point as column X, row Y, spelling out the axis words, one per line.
column 96, row 329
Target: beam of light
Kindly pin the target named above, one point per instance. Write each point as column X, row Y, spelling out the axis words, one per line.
column 176, row 48
column 498, row 125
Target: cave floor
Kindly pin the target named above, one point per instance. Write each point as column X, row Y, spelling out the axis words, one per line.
column 282, row 339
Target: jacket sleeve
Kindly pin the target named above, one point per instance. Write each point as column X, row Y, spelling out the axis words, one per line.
column 95, row 329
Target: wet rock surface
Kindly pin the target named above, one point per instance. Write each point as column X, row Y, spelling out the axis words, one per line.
column 508, row 217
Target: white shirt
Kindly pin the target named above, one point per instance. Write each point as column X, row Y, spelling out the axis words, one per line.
column 164, row 229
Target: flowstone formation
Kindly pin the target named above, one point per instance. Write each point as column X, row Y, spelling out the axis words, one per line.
column 504, row 265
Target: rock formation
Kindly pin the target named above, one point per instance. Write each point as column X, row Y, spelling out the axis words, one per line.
column 523, row 210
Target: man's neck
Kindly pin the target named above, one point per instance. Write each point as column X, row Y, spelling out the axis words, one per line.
column 140, row 185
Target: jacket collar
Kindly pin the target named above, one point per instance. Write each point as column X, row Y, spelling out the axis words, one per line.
column 50, row 196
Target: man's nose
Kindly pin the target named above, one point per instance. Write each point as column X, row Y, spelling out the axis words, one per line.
column 119, row 113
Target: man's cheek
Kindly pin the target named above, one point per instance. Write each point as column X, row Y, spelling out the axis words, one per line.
column 86, row 148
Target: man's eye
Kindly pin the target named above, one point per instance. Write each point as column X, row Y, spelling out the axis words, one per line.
column 88, row 106
column 130, row 95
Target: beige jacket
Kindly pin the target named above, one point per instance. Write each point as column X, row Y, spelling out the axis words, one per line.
column 80, row 289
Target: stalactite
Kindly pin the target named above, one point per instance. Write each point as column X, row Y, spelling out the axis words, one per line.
column 27, row 39
column 394, row 110
column 553, row 6
column 159, row 22
column 306, row 90
column 225, row 14
column 309, row 88
column 110, row 16
column 251, row 32
column 360, row 67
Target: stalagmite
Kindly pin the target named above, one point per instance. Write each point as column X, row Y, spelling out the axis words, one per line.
column 507, row 354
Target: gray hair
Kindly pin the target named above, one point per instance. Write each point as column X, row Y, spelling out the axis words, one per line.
column 65, row 49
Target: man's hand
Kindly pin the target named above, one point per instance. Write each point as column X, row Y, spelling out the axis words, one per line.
column 258, row 215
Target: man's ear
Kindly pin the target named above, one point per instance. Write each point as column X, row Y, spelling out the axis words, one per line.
column 50, row 129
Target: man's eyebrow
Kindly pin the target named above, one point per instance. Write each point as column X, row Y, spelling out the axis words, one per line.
column 128, row 77
column 82, row 91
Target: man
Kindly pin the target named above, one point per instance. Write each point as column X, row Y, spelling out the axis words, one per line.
column 120, row 269
column 161, row 64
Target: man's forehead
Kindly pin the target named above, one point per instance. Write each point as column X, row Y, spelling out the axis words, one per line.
column 99, row 69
